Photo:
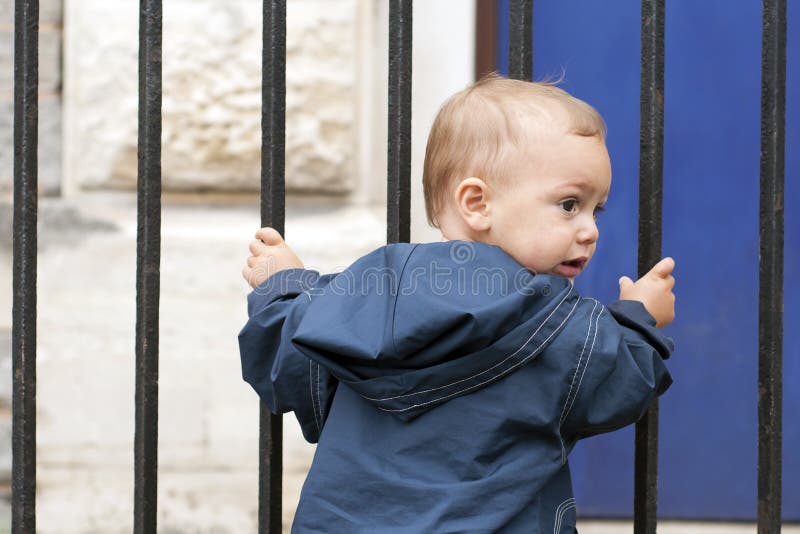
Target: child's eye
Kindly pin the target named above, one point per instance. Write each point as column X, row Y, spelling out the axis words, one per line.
column 568, row 205
column 598, row 210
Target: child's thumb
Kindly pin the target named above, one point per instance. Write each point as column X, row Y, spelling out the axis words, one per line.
column 624, row 282
column 269, row 236
column 664, row 267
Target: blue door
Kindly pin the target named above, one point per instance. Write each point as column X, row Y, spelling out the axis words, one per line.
column 708, row 427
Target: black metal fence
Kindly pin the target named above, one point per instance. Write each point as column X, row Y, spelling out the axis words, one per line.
column 770, row 331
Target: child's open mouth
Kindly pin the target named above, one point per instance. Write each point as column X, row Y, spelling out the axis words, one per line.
column 572, row 268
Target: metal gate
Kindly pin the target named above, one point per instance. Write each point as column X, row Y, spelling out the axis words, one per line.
column 770, row 317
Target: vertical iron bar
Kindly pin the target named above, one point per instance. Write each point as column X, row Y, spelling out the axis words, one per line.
column 148, row 259
column 26, row 116
column 520, row 39
column 273, row 200
column 651, row 156
column 770, row 265
column 398, row 197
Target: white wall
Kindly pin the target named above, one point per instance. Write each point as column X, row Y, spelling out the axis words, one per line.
column 207, row 419
column 443, row 63
column 336, row 94
column 211, row 111
column 444, row 51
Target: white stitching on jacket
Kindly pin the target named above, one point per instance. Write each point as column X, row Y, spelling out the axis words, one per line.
column 319, row 401
column 311, row 387
column 568, row 401
column 589, row 357
column 577, row 367
column 485, row 370
column 506, row 371
column 560, row 511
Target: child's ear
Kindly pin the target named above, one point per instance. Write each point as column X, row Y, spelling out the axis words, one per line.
column 472, row 203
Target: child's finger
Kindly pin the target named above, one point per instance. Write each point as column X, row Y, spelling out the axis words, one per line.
column 269, row 236
column 664, row 267
column 257, row 247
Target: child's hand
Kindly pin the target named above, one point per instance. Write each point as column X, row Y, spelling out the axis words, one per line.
column 654, row 290
column 270, row 255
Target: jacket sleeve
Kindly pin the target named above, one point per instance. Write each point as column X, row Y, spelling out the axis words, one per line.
column 284, row 378
column 619, row 371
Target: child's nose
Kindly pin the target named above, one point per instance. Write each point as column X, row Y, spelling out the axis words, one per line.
column 588, row 233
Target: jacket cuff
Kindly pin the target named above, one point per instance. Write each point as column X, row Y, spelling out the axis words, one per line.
column 633, row 314
column 284, row 284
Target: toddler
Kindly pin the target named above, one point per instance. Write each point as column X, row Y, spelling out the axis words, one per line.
column 446, row 383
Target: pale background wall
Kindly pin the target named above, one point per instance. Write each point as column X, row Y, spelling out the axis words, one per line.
column 336, row 87
column 336, row 174
column 211, row 94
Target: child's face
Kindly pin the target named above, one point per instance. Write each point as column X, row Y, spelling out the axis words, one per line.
column 546, row 219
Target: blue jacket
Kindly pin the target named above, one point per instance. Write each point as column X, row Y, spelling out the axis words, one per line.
column 445, row 385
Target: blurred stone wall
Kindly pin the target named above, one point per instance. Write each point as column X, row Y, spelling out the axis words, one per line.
column 50, row 37
column 336, row 143
column 211, row 94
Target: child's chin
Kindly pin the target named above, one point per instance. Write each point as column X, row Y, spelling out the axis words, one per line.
column 561, row 275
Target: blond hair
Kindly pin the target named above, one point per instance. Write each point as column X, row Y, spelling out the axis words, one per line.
column 480, row 129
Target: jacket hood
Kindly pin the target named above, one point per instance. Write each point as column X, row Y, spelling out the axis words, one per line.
column 410, row 326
